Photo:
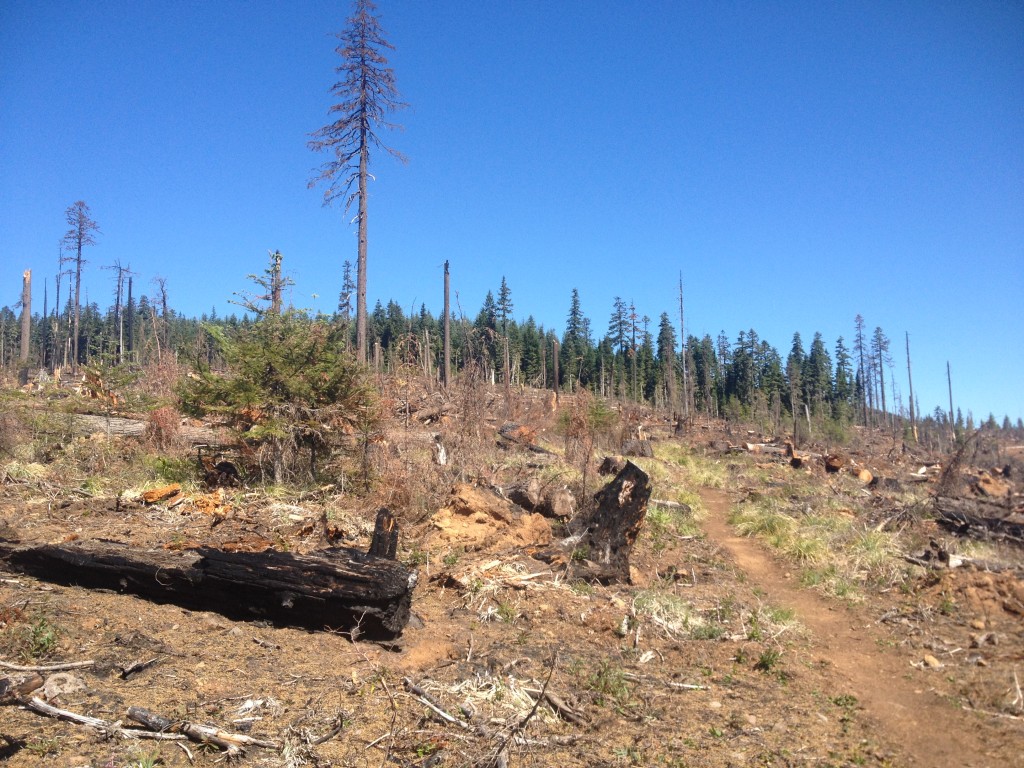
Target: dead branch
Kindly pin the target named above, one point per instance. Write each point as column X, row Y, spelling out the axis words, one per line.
column 48, row 667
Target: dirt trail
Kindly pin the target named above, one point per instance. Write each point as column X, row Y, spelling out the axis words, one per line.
column 908, row 715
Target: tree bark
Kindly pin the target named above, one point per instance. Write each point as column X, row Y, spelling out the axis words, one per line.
column 361, row 259
column 26, row 315
column 336, row 588
column 447, row 328
column 612, row 528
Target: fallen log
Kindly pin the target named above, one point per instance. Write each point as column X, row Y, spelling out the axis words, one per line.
column 338, row 588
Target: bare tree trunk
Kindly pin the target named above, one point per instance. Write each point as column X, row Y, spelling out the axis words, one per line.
column 554, row 356
column 910, row 381
column 78, row 307
column 952, row 421
column 447, row 371
column 682, row 341
column 361, row 260
column 543, row 364
column 26, row 315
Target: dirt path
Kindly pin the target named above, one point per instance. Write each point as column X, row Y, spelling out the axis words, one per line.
column 929, row 730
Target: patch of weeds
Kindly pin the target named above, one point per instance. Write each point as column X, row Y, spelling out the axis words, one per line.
column 417, row 557
column 171, row 469
column 580, row 554
column 947, row 605
column 581, row 587
column 92, row 485
column 847, row 703
column 781, row 615
column 146, row 760
column 609, row 683
column 707, row 632
column 34, row 641
column 42, row 747
column 452, row 558
column 763, row 518
column 671, row 613
column 768, row 660
column 507, row 612
column 631, row 755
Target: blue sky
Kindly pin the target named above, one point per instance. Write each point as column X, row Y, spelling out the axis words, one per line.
column 799, row 163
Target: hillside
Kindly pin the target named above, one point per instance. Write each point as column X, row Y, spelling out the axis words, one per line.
column 773, row 614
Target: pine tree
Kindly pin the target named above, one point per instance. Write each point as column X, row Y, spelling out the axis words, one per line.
column 367, row 93
column 817, row 376
column 81, row 234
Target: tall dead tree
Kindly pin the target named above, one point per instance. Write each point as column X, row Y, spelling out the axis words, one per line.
column 910, row 382
column 26, row 315
column 160, row 331
column 952, row 416
column 447, row 328
column 880, row 351
column 865, row 377
column 682, row 336
column 26, row 326
column 119, row 285
column 367, row 93
column 81, row 234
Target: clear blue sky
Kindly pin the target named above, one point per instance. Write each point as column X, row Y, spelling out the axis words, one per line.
column 798, row 162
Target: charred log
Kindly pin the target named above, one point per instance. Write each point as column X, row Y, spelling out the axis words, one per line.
column 338, row 588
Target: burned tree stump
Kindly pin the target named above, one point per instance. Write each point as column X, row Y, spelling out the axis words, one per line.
column 385, row 535
column 338, row 588
column 611, row 529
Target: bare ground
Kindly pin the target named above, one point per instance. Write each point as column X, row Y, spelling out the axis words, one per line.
column 715, row 656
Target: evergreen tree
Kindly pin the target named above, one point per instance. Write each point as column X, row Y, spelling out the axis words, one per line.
column 367, row 93
column 794, row 374
column 504, row 307
column 81, row 234
column 817, row 376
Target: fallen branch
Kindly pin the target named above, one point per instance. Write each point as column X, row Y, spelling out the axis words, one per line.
column 232, row 743
column 104, row 726
column 425, row 699
column 48, row 667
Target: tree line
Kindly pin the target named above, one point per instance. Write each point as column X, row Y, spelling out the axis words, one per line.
column 811, row 390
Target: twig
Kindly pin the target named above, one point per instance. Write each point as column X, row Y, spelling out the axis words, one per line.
column 391, row 727
column 331, row 733
column 667, row 683
column 424, row 698
column 48, row 667
column 501, row 756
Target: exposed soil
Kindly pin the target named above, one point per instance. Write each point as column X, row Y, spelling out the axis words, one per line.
column 714, row 656
column 901, row 700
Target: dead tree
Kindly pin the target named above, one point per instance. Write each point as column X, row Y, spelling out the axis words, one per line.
column 81, row 234
column 368, row 93
column 447, row 328
column 26, row 316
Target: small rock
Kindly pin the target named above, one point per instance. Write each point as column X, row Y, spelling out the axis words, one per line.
column 931, row 662
column 978, row 624
column 714, row 705
column 61, row 684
